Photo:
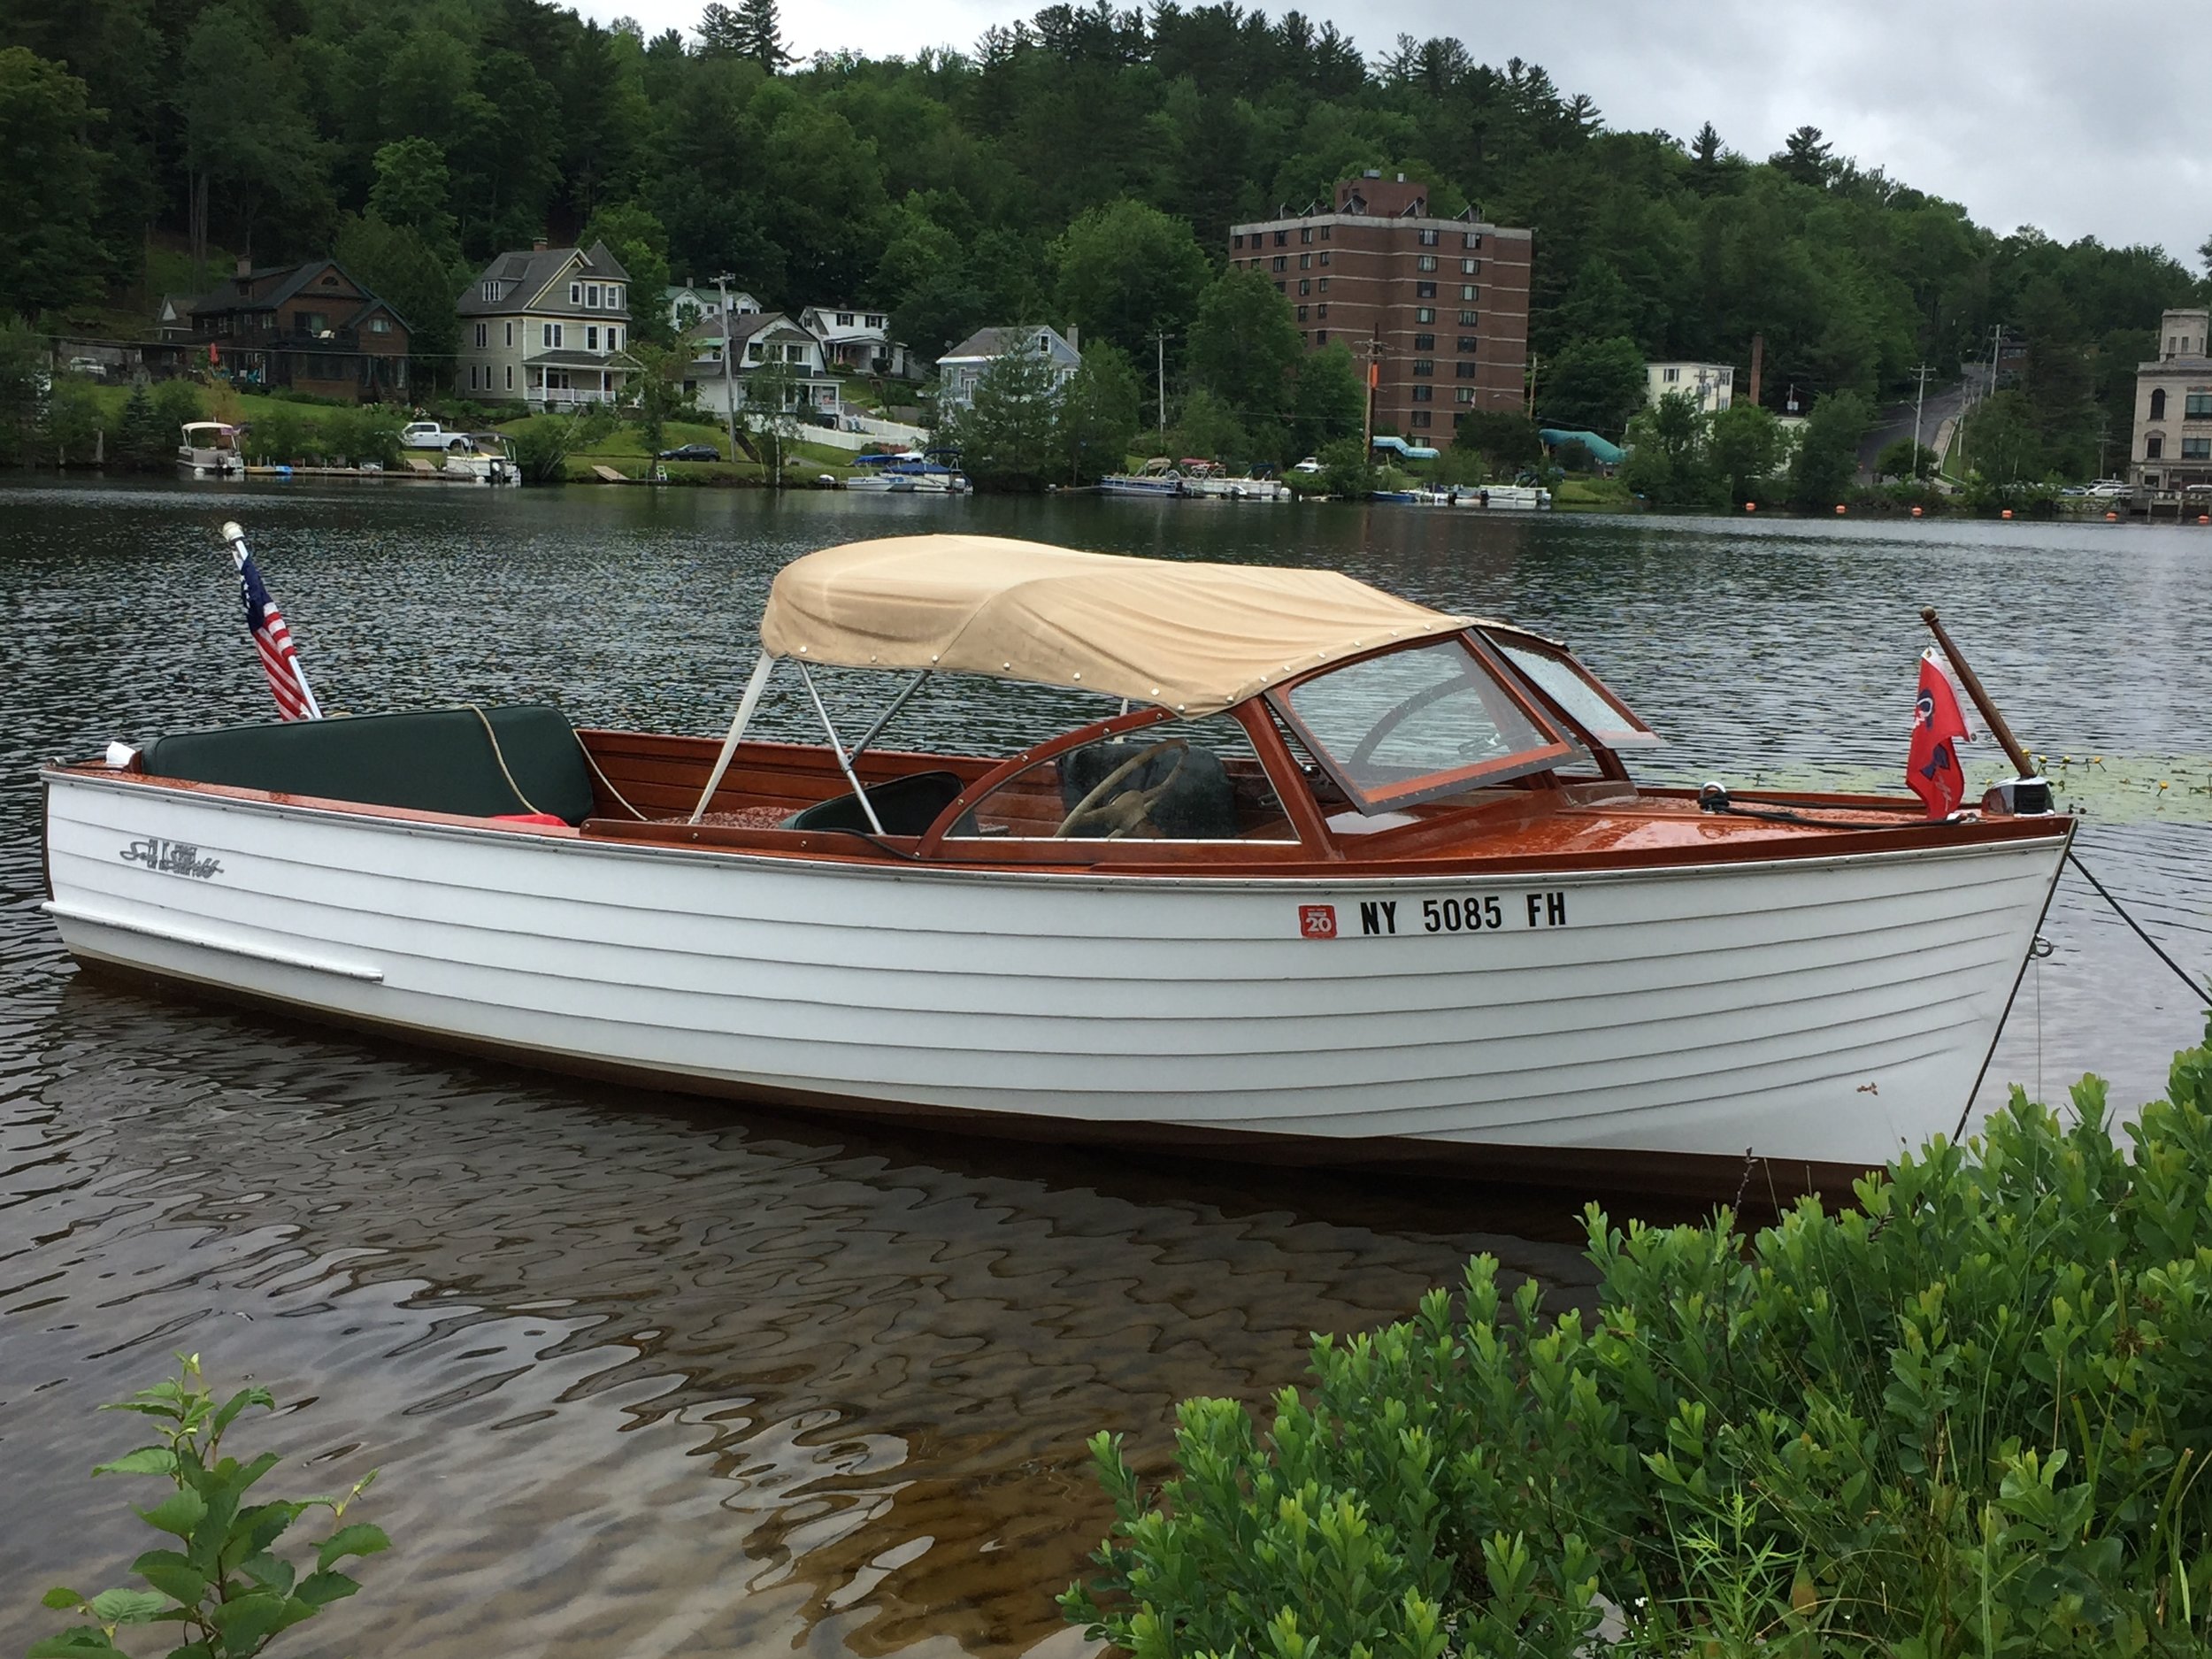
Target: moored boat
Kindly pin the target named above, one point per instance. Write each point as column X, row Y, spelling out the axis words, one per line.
column 1328, row 875
column 209, row 449
column 1159, row 476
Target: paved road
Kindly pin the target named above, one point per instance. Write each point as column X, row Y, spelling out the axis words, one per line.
column 1944, row 403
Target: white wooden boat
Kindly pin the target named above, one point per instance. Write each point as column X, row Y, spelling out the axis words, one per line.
column 1350, row 880
column 209, row 449
column 483, row 458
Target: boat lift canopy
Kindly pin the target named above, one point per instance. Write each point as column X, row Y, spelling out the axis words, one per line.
column 1193, row 638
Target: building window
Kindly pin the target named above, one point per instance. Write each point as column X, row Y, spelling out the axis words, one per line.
column 576, row 294
column 379, row 325
column 483, row 335
column 1473, row 239
column 1301, row 313
column 2151, row 479
column 1282, row 288
column 1282, row 262
column 1324, row 284
column 1424, row 342
column 471, row 377
column 1468, row 267
column 1282, row 239
column 1463, row 370
column 1305, row 262
column 1305, row 285
column 1325, row 236
column 614, row 340
column 1428, row 237
column 1468, row 319
column 1320, row 336
column 614, row 297
column 591, row 339
column 1469, row 291
column 1671, row 375
column 1424, row 365
column 1420, row 420
column 1321, row 309
column 844, row 319
column 1324, row 256
column 510, row 377
column 2194, row 404
column 511, row 333
column 875, row 320
column 1424, row 393
column 491, row 291
column 2196, row 449
column 1306, row 234
column 1237, row 241
column 1463, row 395
column 1426, row 262
column 550, row 336
column 2154, row 446
column 1468, row 343
column 591, row 294
column 1424, row 314
column 1424, row 290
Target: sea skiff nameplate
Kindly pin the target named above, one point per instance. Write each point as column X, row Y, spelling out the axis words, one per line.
column 171, row 859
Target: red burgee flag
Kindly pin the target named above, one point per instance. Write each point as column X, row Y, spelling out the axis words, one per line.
column 1931, row 765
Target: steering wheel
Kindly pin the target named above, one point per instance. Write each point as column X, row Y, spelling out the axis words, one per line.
column 1125, row 811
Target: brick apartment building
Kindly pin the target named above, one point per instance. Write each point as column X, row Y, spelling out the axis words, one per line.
column 1443, row 303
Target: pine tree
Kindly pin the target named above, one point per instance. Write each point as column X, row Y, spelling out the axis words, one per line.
column 720, row 32
column 761, row 35
column 142, row 441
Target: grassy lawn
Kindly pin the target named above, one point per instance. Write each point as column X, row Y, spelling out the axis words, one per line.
column 221, row 403
column 624, row 451
column 1592, row 493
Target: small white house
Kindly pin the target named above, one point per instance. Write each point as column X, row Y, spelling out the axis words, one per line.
column 753, row 342
column 687, row 302
column 959, row 369
column 1712, row 384
column 856, row 340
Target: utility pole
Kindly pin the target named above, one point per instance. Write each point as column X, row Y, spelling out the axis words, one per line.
column 1924, row 371
column 729, row 368
column 1374, row 375
column 1535, row 362
column 1758, row 363
column 1159, row 372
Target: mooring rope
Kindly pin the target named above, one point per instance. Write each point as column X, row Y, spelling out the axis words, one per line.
column 2120, row 909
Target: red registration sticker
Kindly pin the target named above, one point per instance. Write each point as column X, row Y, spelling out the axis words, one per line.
column 1317, row 921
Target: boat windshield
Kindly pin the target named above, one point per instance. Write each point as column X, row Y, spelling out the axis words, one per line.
column 1581, row 695
column 1410, row 725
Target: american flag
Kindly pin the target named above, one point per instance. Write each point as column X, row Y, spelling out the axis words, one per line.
column 280, row 661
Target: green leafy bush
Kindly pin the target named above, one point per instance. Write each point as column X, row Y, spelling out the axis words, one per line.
column 1969, row 1418
column 225, row 1585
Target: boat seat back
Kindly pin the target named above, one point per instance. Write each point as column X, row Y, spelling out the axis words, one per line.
column 905, row 806
column 431, row 760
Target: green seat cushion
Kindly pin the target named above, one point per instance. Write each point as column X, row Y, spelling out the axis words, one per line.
column 433, row 760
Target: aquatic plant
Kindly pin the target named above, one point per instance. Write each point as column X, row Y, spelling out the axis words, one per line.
column 225, row 1585
column 1967, row 1417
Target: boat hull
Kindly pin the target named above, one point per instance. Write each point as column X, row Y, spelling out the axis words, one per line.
column 1819, row 1012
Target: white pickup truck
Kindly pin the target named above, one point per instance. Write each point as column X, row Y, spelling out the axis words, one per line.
column 427, row 435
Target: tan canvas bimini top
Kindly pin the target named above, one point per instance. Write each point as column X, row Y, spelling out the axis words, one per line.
column 1194, row 637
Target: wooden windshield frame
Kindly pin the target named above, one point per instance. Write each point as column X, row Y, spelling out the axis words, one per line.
column 1561, row 747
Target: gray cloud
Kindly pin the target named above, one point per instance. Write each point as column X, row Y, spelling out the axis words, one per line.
column 2055, row 113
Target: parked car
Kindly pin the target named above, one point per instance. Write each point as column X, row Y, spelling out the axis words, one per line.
column 1309, row 466
column 690, row 452
column 2108, row 489
column 92, row 366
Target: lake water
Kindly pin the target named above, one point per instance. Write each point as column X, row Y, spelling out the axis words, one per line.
column 646, row 1376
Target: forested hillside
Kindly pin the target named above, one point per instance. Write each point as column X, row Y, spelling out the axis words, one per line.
column 966, row 187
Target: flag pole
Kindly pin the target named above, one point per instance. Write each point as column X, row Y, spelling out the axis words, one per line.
column 1972, row 681
column 234, row 533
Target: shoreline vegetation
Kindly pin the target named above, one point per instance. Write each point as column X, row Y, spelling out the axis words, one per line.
column 1967, row 1417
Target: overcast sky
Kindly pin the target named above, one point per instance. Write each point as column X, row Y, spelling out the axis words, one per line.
column 2075, row 116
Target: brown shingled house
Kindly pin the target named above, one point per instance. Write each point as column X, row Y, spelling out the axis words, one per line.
column 307, row 327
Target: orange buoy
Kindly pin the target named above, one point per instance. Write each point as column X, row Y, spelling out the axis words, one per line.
column 2006, row 514
column 1916, row 512
column 2204, row 517
column 1839, row 510
column 1751, row 506
column 2112, row 518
